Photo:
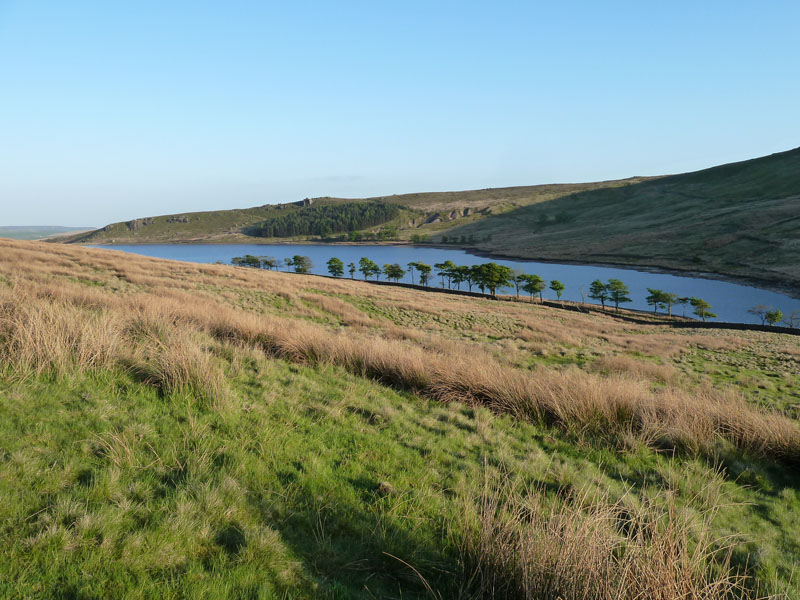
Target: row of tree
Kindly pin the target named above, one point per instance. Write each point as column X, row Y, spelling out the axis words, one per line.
column 491, row 277
column 773, row 316
column 300, row 264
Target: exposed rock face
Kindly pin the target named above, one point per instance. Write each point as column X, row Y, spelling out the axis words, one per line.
column 304, row 202
column 137, row 224
column 178, row 219
column 434, row 218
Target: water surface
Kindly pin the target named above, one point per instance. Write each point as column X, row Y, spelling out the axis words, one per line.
column 729, row 300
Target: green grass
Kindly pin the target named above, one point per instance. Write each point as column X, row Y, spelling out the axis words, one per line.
column 234, row 226
column 739, row 220
column 306, row 483
column 174, row 456
column 770, row 380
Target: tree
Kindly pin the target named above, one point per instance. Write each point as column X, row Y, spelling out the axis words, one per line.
column 351, row 268
column 760, row 311
column 424, row 272
column 393, row 272
column 411, row 266
column 668, row 300
column 618, row 292
column 367, row 267
column 557, row 287
column 478, row 278
column 458, row 275
column 495, row 276
column 661, row 299
column 302, row 264
column 336, row 267
column 445, row 271
column 655, row 298
column 468, row 274
column 793, row 320
column 288, row 262
column 269, row 262
column 774, row 316
column 702, row 308
column 683, row 301
column 599, row 291
column 533, row 284
column 517, row 278
column 248, row 260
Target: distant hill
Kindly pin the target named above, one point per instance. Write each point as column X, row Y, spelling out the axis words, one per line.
column 37, row 232
column 738, row 220
column 407, row 215
column 741, row 219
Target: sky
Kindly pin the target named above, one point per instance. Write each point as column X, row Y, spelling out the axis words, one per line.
column 115, row 110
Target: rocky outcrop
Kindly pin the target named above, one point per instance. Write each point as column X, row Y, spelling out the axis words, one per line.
column 434, row 218
column 178, row 219
column 137, row 224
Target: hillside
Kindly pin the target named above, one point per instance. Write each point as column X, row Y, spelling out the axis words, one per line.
column 415, row 214
column 180, row 430
column 739, row 220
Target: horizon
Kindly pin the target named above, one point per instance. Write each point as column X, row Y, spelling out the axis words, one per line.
column 115, row 113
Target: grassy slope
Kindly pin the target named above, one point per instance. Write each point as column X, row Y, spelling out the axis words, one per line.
column 739, row 220
column 296, row 476
column 228, row 225
column 198, row 226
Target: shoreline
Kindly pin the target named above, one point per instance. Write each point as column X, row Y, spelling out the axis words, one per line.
column 786, row 289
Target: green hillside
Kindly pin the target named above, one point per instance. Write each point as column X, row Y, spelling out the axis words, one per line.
column 737, row 220
column 406, row 215
column 740, row 219
column 195, row 226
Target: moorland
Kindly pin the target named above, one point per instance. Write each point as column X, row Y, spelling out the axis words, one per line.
column 180, row 430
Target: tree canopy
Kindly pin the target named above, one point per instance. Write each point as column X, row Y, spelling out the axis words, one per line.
column 599, row 291
column 702, row 308
column 326, row 219
column 335, row 267
column 368, row 268
column 393, row 272
column 533, row 284
column 617, row 292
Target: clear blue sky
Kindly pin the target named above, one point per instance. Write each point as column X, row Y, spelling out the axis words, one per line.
column 115, row 110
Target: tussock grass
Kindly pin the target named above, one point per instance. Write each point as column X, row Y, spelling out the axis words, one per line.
column 204, row 336
column 65, row 327
column 647, row 371
column 519, row 546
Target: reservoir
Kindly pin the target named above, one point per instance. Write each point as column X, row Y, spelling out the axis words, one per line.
column 730, row 301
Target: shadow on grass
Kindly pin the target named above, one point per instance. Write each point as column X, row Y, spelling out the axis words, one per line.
column 365, row 550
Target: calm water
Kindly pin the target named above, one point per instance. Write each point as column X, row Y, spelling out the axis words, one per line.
column 729, row 300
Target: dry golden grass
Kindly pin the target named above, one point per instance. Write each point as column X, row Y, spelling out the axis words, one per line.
column 518, row 547
column 639, row 369
column 160, row 319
